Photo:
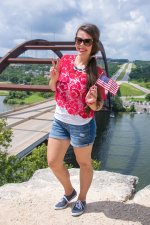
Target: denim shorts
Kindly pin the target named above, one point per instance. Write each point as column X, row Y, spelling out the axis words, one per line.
column 79, row 135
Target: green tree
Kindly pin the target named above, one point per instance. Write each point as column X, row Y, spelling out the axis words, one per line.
column 147, row 98
column 5, row 139
column 39, row 80
column 141, row 72
column 13, row 169
column 5, row 134
column 117, row 104
column 131, row 109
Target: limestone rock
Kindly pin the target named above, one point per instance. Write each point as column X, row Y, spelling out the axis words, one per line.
column 142, row 197
column 106, row 185
column 114, row 186
column 32, row 202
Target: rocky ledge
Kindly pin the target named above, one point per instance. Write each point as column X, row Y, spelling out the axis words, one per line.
column 112, row 200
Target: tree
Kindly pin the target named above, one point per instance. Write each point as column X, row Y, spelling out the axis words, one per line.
column 132, row 108
column 5, row 139
column 117, row 104
column 5, row 134
column 147, row 98
column 15, row 170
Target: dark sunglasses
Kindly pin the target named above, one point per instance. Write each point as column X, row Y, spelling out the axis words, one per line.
column 86, row 42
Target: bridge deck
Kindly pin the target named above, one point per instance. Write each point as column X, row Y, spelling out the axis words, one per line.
column 30, row 127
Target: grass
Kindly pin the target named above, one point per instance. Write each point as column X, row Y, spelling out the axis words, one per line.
column 31, row 99
column 133, row 66
column 142, row 84
column 128, row 90
column 5, row 82
column 136, row 99
column 4, row 93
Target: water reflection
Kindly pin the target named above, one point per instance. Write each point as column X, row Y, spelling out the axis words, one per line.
column 103, row 134
column 136, row 147
column 6, row 107
column 122, row 145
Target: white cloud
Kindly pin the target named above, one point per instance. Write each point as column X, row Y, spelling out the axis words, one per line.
column 124, row 24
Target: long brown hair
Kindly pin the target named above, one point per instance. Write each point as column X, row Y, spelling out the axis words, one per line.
column 91, row 69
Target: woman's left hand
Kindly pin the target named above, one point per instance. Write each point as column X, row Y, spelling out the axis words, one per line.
column 91, row 96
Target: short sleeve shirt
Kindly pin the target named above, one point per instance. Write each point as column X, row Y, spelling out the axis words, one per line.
column 71, row 88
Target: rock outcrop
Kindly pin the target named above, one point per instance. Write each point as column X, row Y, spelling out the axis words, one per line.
column 111, row 201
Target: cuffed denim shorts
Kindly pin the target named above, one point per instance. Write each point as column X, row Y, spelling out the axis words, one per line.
column 79, row 135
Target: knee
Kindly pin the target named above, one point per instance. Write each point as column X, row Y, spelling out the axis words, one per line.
column 85, row 164
column 52, row 163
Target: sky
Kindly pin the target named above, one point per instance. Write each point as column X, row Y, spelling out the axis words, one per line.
column 124, row 24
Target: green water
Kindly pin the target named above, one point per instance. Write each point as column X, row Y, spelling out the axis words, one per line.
column 123, row 144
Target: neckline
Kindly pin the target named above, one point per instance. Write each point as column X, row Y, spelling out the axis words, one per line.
column 79, row 69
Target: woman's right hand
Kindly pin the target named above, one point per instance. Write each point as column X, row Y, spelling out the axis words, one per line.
column 54, row 70
column 54, row 74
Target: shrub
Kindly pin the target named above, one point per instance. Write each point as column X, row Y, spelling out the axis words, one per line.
column 117, row 104
column 147, row 98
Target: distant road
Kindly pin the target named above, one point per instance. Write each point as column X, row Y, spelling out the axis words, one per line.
column 117, row 74
column 30, row 127
column 145, row 90
column 127, row 72
column 126, row 78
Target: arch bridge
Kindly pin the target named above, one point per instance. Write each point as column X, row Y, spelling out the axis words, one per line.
column 12, row 57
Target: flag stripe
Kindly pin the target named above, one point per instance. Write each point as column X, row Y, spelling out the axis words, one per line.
column 108, row 84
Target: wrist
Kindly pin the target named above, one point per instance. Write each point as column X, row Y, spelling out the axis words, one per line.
column 99, row 105
column 52, row 85
column 92, row 106
column 90, row 102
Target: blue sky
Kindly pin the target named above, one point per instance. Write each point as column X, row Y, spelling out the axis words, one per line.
column 124, row 24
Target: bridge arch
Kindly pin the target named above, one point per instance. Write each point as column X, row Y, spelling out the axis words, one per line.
column 39, row 44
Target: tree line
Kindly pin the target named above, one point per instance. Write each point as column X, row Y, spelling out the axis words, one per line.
column 141, row 72
column 25, row 74
column 16, row 170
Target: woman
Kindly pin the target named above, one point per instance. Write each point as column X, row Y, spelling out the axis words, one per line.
column 77, row 98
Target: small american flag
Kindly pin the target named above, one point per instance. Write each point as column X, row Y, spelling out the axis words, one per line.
column 108, row 84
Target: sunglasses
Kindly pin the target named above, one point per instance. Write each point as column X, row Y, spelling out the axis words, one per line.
column 86, row 42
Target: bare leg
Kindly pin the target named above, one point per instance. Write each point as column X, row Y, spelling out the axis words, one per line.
column 55, row 156
column 83, row 156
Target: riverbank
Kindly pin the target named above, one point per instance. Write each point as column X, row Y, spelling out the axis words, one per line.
column 110, row 201
column 4, row 93
column 7, row 108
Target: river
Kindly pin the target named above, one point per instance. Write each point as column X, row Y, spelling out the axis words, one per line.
column 122, row 143
column 6, row 107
